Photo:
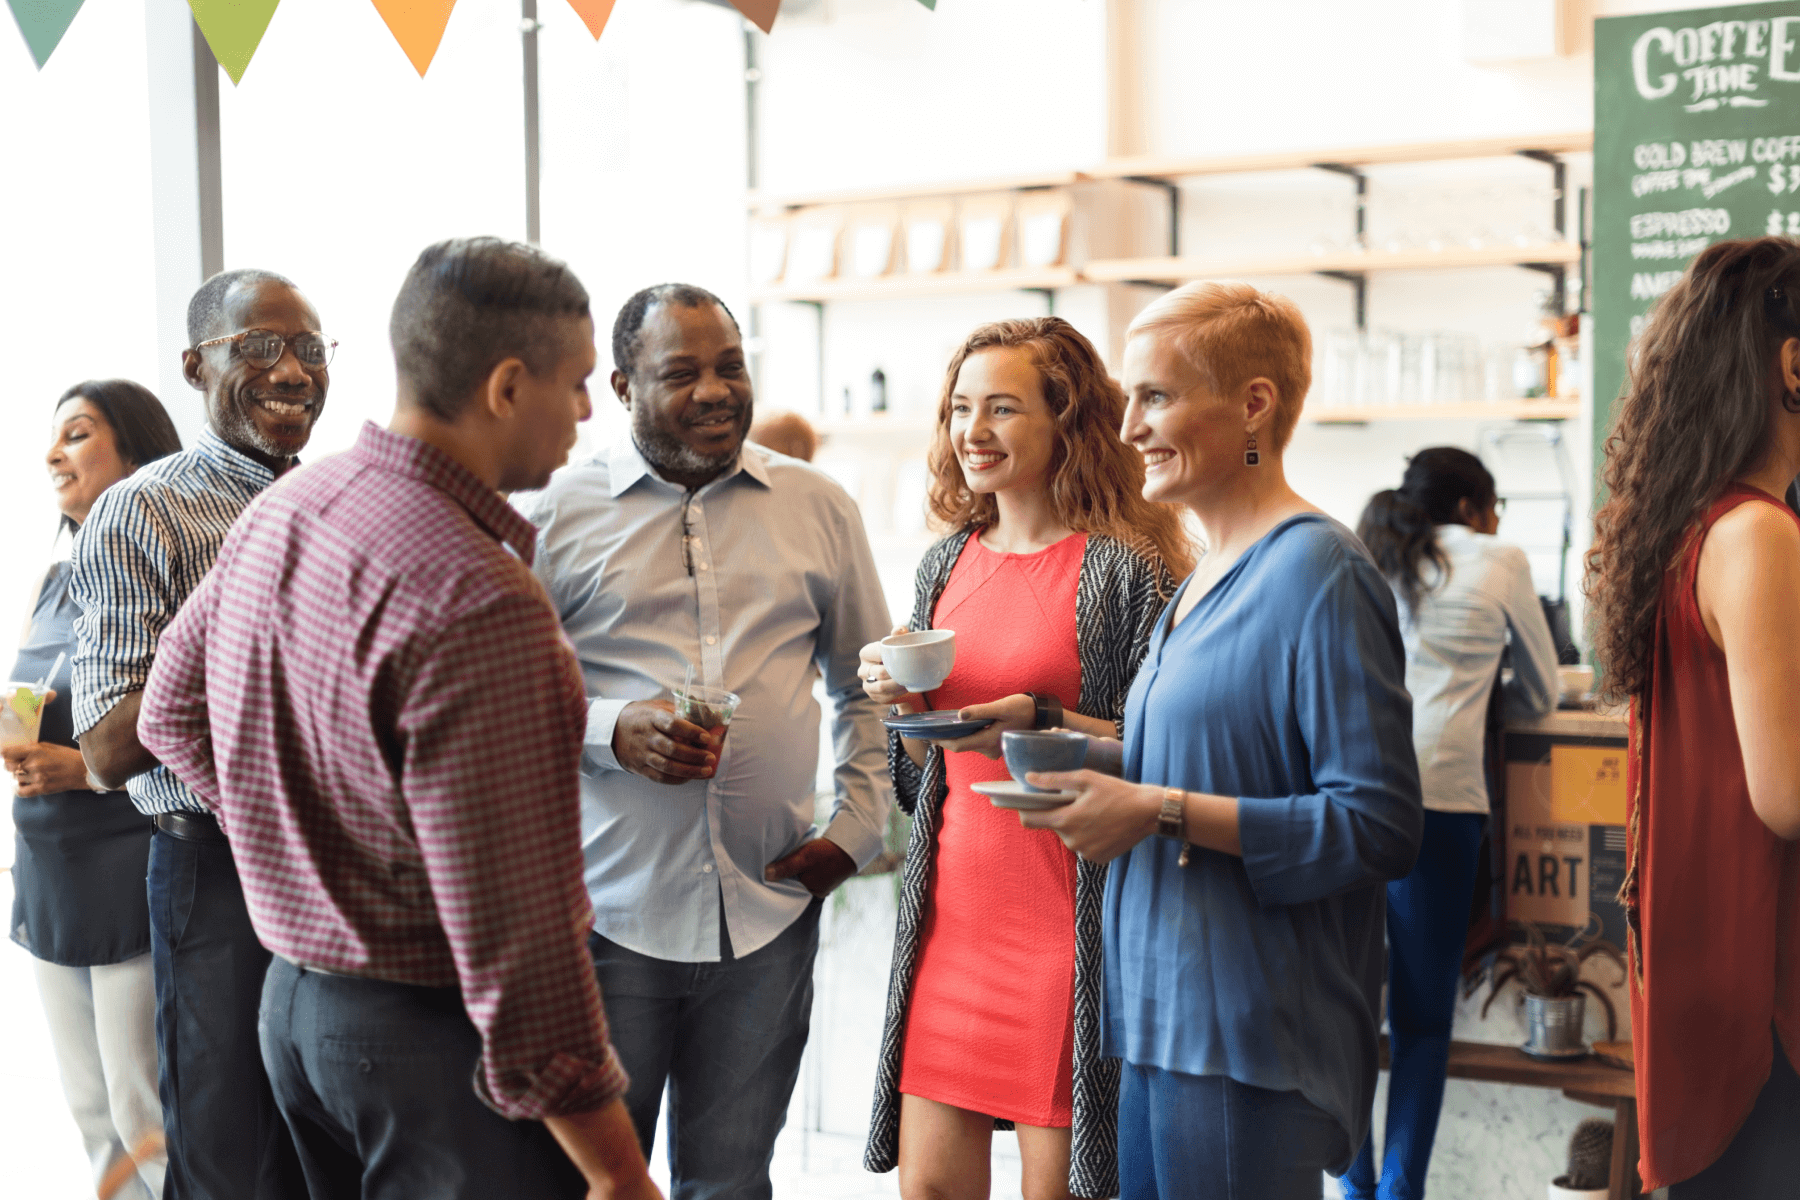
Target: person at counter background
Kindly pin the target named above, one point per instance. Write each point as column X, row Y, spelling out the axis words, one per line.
column 79, row 905
column 993, row 1004
column 1461, row 593
column 1268, row 741
column 1694, row 587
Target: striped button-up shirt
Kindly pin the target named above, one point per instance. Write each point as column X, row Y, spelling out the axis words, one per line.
column 756, row 578
column 372, row 692
column 149, row 541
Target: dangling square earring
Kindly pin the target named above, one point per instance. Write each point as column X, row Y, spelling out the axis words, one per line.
column 1251, row 457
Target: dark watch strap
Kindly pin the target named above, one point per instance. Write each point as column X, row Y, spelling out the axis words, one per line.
column 1049, row 710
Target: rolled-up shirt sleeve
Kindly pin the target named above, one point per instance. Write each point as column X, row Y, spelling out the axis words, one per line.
column 492, row 730
column 1362, row 821
column 857, row 615
column 120, row 582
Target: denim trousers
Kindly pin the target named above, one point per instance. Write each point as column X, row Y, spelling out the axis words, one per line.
column 377, row 1082
column 1209, row 1137
column 1763, row 1160
column 726, row 1038
column 226, row 1139
column 1427, row 925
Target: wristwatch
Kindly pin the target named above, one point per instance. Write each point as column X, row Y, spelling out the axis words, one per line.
column 1049, row 710
column 1171, row 821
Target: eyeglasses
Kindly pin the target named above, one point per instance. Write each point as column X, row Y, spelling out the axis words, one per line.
column 1500, row 506
column 262, row 349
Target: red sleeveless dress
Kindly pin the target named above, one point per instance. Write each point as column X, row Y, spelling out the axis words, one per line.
column 1717, row 897
column 990, row 1026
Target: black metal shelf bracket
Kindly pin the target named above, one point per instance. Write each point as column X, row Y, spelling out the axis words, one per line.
column 1359, row 282
column 1173, row 191
column 1362, row 196
column 1559, row 220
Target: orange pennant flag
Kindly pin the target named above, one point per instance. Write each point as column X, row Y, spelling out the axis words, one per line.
column 418, row 25
column 593, row 14
column 761, row 12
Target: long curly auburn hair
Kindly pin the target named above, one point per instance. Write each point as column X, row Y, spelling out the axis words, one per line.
column 1096, row 480
column 1695, row 414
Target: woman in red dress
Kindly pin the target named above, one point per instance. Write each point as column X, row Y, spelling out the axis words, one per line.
column 1052, row 580
column 1695, row 583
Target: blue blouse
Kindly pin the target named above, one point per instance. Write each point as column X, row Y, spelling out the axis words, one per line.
column 1285, row 687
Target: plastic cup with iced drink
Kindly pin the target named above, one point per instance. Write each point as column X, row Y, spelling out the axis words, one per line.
column 708, row 707
column 21, row 713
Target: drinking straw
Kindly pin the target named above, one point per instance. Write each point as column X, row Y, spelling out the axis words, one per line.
column 56, row 666
column 687, row 683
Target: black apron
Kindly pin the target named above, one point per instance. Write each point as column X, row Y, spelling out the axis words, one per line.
column 81, row 859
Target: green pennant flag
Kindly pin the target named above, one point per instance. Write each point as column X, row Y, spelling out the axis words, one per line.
column 931, row 4
column 43, row 22
column 234, row 29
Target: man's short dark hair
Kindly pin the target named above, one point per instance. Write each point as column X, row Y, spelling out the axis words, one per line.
column 467, row 305
column 206, row 311
column 628, row 327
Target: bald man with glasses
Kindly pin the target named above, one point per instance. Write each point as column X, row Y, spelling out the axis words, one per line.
column 257, row 355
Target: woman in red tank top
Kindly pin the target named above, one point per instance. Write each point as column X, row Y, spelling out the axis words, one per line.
column 1052, row 577
column 1695, row 583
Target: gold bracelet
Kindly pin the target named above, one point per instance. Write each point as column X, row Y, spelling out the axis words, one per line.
column 1171, row 821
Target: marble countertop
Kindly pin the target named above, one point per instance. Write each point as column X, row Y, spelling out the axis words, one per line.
column 1609, row 723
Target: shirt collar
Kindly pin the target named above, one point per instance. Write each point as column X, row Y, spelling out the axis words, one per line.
column 229, row 459
column 625, row 465
column 414, row 459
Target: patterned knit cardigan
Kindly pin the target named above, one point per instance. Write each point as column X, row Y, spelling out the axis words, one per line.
column 1118, row 598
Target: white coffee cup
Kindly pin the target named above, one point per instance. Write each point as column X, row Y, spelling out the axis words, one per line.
column 919, row 661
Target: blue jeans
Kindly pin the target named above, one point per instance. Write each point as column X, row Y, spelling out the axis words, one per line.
column 226, row 1139
column 376, row 1080
column 1209, row 1137
column 1428, row 922
column 1763, row 1160
column 727, row 1038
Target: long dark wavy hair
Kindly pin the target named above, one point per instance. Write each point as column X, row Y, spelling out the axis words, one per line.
column 1096, row 480
column 1399, row 526
column 1694, row 415
column 141, row 426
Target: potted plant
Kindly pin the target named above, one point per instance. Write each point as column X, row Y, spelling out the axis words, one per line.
column 1590, row 1163
column 1555, row 993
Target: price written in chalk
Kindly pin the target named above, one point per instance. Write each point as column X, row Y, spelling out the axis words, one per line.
column 1784, row 179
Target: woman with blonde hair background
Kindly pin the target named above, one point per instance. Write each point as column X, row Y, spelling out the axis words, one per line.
column 1052, row 577
column 1265, row 791
column 1694, row 582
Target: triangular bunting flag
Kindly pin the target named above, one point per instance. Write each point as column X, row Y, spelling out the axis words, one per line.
column 234, row 29
column 43, row 22
column 418, row 25
column 761, row 12
column 931, row 4
column 593, row 13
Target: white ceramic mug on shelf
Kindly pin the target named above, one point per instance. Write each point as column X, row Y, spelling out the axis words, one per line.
column 919, row 661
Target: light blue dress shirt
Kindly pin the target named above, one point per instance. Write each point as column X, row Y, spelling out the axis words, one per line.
column 1453, row 645
column 149, row 541
column 1283, row 687
column 776, row 577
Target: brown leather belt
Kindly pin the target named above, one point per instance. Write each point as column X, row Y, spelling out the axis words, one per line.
column 191, row 826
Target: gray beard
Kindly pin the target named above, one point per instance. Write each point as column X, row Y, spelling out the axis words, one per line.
column 672, row 456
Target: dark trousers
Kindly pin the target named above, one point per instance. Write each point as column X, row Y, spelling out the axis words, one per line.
column 376, row 1081
column 1209, row 1137
column 727, row 1038
column 1763, row 1160
column 1427, row 924
column 226, row 1139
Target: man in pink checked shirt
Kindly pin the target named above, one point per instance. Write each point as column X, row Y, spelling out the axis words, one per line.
column 373, row 694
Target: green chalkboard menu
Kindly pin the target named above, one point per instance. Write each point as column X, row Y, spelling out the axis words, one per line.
column 1696, row 139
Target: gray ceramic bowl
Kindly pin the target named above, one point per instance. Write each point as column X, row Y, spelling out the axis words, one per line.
column 1028, row 750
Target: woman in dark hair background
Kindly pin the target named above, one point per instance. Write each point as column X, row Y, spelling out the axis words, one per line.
column 1694, row 588
column 79, row 903
column 1462, row 594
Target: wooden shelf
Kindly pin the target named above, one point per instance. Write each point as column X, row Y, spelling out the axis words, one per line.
column 944, row 283
column 1169, row 167
column 1181, row 270
column 777, row 201
column 1547, row 409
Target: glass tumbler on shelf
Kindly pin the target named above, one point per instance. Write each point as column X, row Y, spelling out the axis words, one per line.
column 1342, row 363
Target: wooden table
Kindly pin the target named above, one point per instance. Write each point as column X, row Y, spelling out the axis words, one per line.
column 1587, row 1080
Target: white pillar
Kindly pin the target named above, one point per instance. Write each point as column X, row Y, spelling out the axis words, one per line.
column 185, row 195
